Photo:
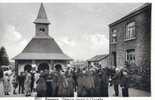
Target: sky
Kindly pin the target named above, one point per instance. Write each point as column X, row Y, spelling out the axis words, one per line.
column 80, row 29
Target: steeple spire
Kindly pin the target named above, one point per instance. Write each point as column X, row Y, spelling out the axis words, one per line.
column 41, row 23
column 42, row 17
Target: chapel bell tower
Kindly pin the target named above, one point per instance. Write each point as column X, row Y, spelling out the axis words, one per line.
column 41, row 23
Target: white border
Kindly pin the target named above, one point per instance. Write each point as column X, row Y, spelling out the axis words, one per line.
column 101, row 1
column 79, row 1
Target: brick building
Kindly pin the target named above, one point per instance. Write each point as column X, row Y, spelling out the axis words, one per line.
column 130, row 39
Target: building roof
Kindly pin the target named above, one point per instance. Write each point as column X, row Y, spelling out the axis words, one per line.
column 42, row 45
column 133, row 13
column 42, row 56
column 42, row 48
column 42, row 17
column 98, row 58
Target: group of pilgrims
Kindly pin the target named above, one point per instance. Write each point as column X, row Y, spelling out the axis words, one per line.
column 85, row 82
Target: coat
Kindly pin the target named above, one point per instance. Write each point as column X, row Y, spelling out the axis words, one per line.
column 41, row 87
column 104, row 84
column 62, row 86
column 81, row 89
column 90, row 81
column 116, row 79
column 54, row 85
column 83, row 85
column 49, row 91
column 70, row 87
column 125, row 85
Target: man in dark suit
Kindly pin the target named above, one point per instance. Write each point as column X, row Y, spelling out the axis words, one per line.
column 116, row 81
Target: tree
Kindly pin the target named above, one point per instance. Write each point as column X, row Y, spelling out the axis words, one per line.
column 4, row 59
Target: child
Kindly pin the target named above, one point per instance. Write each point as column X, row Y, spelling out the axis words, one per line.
column 15, row 84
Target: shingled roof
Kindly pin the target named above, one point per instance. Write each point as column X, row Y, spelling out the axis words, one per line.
column 42, row 56
column 42, row 47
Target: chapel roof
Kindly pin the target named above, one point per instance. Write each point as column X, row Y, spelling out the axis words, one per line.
column 42, row 47
column 42, row 16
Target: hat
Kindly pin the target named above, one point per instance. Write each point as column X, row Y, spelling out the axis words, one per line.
column 117, row 69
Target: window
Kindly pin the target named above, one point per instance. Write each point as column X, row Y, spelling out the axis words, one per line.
column 42, row 29
column 130, row 56
column 130, row 31
column 114, row 36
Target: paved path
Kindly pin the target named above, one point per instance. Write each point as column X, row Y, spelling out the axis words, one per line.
column 132, row 92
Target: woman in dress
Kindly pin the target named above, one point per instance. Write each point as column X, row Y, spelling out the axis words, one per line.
column 7, row 85
column 82, row 84
column 27, row 84
column 49, row 83
column 41, row 86
column 70, row 87
column 62, row 85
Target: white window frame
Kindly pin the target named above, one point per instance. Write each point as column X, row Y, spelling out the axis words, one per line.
column 130, row 56
column 114, row 36
column 130, row 31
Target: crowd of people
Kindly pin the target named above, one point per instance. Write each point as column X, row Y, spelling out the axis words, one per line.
column 86, row 82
